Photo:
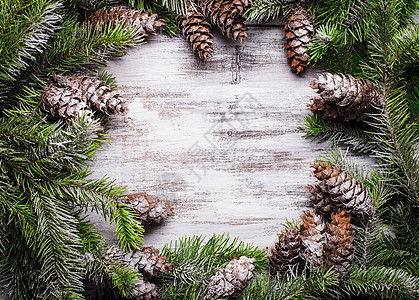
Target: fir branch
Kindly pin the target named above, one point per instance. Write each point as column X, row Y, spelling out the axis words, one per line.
column 194, row 262
column 265, row 10
column 352, row 135
column 381, row 282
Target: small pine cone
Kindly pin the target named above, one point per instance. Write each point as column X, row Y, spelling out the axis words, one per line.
column 286, row 252
column 63, row 103
column 97, row 95
column 338, row 249
column 196, row 31
column 299, row 31
column 321, row 200
column 144, row 290
column 146, row 260
column 343, row 97
column 338, row 190
column 226, row 15
column 312, row 238
column 150, row 24
column 230, row 281
column 149, row 209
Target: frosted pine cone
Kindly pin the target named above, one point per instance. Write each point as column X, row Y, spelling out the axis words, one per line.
column 230, row 281
column 196, row 31
column 313, row 238
column 145, row 290
column 299, row 31
column 150, row 23
column 338, row 250
column 343, row 97
column 149, row 209
column 338, row 190
column 286, row 252
column 146, row 261
column 66, row 96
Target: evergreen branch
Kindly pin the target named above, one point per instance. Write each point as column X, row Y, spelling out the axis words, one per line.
column 265, row 10
column 381, row 282
column 25, row 28
column 177, row 6
column 129, row 230
column 194, row 262
column 294, row 287
column 352, row 135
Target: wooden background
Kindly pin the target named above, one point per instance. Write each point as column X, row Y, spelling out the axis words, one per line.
column 218, row 139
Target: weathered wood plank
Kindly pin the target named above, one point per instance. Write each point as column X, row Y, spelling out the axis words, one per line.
column 218, row 139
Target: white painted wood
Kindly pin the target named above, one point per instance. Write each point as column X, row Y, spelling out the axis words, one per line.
column 218, row 139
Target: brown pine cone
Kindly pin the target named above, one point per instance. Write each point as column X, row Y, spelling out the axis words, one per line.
column 150, row 24
column 146, row 261
column 149, row 209
column 196, row 30
column 312, row 238
column 343, row 97
column 337, row 190
column 286, row 252
column 338, row 249
column 299, row 31
column 226, row 15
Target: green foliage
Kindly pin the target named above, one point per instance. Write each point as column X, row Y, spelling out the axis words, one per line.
column 296, row 287
column 194, row 261
column 47, row 248
column 265, row 10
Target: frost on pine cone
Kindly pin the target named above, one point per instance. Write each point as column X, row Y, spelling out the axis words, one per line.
column 149, row 209
column 227, row 283
column 196, row 31
column 226, row 15
column 146, row 260
column 343, row 97
column 150, row 23
column 338, row 191
column 299, row 31
column 338, row 250
column 66, row 96
column 312, row 238
column 286, row 252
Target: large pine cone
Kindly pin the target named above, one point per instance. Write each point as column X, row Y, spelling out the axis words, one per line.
column 146, row 261
column 312, row 238
column 299, row 31
column 343, row 97
column 65, row 96
column 226, row 15
column 150, row 24
column 230, row 281
column 196, row 31
column 149, row 209
column 145, row 290
column 339, row 250
column 286, row 252
column 338, row 191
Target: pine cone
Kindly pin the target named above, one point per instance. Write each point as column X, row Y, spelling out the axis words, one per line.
column 149, row 209
column 286, row 252
column 196, row 31
column 145, row 290
column 338, row 249
column 230, row 281
column 226, row 15
column 150, row 24
column 343, row 97
column 66, row 96
column 338, row 190
column 63, row 103
column 146, row 261
column 312, row 238
column 299, row 31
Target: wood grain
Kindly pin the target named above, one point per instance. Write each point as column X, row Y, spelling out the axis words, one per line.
column 218, row 139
